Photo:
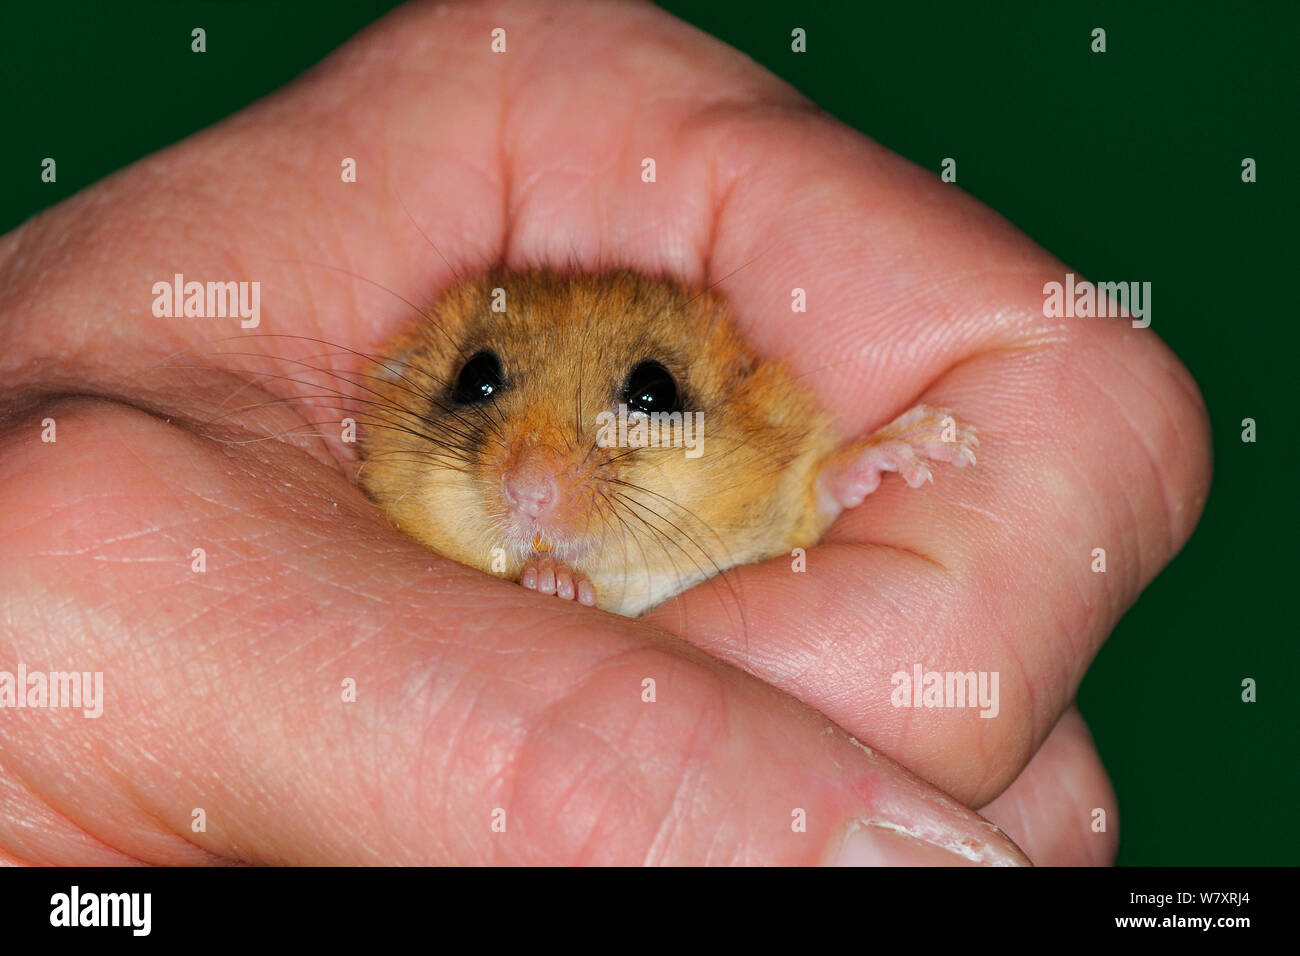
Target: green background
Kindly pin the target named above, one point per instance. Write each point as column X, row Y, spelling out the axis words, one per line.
column 1126, row 165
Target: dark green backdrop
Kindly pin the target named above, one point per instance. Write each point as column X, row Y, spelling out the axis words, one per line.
column 1125, row 165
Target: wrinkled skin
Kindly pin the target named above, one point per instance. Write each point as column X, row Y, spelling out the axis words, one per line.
column 473, row 693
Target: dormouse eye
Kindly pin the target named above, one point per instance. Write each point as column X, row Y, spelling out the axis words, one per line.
column 479, row 380
column 650, row 388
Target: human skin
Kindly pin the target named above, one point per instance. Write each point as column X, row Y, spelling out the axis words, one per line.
column 224, row 688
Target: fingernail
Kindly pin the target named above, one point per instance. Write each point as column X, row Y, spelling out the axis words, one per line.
column 870, row 844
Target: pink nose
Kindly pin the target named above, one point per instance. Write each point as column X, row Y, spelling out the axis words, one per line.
column 530, row 491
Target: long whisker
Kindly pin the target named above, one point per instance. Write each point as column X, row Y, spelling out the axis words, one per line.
column 455, row 274
column 414, row 388
column 720, row 573
column 436, row 404
column 632, row 536
column 467, row 436
column 423, row 313
column 368, row 356
column 659, row 538
column 745, row 265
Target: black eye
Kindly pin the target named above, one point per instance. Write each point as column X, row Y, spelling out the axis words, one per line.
column 650, row 388
column 479, row 380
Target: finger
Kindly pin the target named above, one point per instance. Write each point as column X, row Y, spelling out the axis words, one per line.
column 1094, row 436
column 1062, row 810
column 455, row 145
column 1074, row 419
column 233, row 597
column 1093, row 470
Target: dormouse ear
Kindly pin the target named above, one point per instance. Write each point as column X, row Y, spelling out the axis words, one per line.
column 395, row 367
column 742, row 367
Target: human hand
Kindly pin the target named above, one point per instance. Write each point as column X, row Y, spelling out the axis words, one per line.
column 223, row 689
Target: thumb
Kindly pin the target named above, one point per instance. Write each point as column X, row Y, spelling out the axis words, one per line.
column 488, row 724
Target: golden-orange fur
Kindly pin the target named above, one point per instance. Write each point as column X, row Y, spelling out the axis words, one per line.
column 641, row 524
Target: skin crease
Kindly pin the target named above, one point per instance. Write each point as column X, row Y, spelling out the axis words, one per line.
column 474, row 694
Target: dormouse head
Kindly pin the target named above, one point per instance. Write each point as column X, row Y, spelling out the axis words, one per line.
column 614, row 421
